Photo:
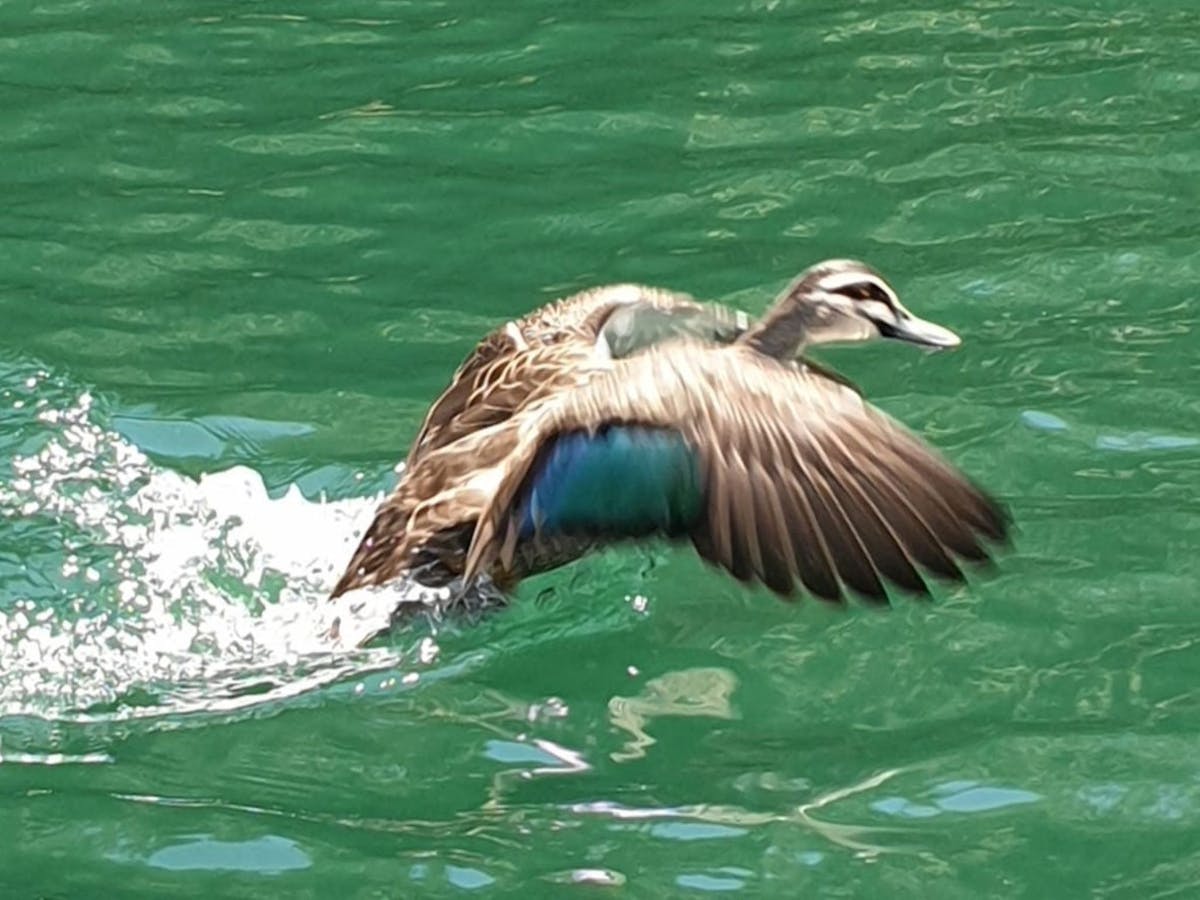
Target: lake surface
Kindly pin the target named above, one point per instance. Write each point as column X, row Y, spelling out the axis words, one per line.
column 244, row 245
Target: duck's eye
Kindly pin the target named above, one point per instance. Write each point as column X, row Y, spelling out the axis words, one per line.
column 868, row 290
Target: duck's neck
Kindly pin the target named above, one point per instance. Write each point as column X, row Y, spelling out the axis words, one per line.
column 783, row 332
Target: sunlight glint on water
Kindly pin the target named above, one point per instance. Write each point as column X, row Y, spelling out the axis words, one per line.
column 172, row 593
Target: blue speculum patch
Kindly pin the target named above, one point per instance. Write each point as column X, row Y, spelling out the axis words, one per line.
column 625, row 479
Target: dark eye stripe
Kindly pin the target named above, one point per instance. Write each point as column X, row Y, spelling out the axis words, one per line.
column 878, row 293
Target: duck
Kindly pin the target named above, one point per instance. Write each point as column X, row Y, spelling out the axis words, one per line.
column 773, row 467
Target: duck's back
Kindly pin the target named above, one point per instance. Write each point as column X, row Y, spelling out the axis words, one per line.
column 557, row 345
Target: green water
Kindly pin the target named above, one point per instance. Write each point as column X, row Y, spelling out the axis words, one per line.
column 262, row 235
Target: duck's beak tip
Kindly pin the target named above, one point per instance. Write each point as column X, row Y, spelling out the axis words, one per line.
column 928, row 335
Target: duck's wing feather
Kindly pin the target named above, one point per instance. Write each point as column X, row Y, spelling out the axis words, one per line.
column 485, row 392
column 432, row 509
column 660, row 316
column 493, row 350
column 776, row 473
column 526, row 359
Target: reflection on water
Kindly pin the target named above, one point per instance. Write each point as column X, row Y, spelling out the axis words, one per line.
column 693, row 692
column 955, row 797
column 268, row 855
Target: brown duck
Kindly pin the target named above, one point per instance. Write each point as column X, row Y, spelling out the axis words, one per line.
column 773, row 468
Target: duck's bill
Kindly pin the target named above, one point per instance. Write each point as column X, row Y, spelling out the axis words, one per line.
column 920, row 332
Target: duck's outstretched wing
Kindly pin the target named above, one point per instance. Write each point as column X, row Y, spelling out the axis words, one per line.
column 775, row 472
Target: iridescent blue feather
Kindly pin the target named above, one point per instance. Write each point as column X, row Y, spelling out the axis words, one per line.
column 622, row 481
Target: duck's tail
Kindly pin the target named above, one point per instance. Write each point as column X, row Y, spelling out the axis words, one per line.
column 372, row 561
column 433, row 512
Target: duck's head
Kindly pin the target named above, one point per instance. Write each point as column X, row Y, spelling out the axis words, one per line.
column 841, row 301
column 846, row 301
column 850, row 301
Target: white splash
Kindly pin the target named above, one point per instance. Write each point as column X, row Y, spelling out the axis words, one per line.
column 181, row 594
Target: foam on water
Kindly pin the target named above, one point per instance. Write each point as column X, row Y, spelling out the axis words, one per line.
column 127, row 589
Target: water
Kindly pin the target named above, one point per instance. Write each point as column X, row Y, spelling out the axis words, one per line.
column 244, row 246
